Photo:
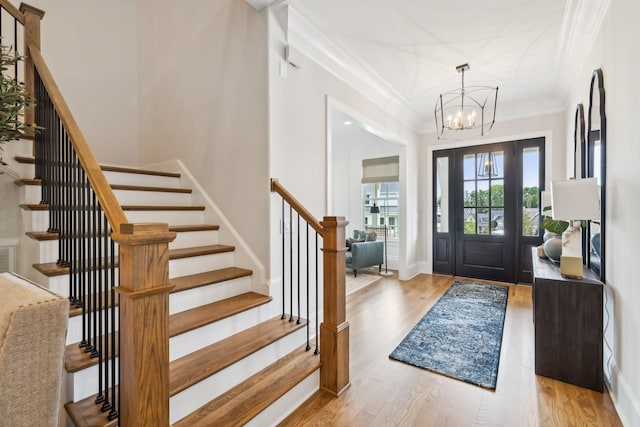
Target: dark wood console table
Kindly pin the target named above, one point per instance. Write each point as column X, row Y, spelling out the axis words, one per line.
column 568, row 325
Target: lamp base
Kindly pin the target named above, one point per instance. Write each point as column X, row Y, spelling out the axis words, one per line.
column 386, row 273
column 571, row 266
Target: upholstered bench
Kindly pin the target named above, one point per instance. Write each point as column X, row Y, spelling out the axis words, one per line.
column 33, row 328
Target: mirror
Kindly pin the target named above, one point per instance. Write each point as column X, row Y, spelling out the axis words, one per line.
column 579, row 162
column 596, row 167
column 579, row 143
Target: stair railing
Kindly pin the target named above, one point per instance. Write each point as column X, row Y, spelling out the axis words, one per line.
column 333, row 332
column 123, row 290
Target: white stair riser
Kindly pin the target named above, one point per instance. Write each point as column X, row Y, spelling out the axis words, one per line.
column 186, row 300
column 30, row 194
column 35, row 220
column 168, row 217
column 191, row 239
column 202, row 392
column 60, row 284
column 74, row 330
column 131, row 197
column 288, row 403
column 141, row 179
column 84, row 383
column 191, row 341
column 47, row 250
column 200, row 264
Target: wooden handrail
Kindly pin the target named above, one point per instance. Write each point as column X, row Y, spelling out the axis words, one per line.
column 6, row 5
column 99, row 183
column 276, row 187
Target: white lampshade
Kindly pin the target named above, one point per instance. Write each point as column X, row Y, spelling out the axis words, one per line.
column 576, row 199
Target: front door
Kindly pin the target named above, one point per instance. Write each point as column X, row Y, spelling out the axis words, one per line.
column 487, row 209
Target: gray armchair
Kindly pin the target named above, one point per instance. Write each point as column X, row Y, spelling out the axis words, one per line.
column 365, row 254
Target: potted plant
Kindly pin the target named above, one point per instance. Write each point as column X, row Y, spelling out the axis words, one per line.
column 14, row 100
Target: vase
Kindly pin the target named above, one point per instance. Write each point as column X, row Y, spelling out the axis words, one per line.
column 553, row 247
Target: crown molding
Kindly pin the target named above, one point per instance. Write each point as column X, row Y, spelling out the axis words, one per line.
column 261, row 4
column 310, row 38
column 580, row 27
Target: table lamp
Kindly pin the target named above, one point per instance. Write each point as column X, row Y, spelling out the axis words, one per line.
column 574, row 200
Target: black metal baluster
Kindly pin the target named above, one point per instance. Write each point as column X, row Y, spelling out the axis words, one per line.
column 108, row 351
column 113, row 414
column 87, row 209
column 82, row 254
column 283, row 265
column 307, row 242
column 291, row 263
column 102, row 279
column 298, row 268
column 317, row 351
column 75, row 229
column 97, row 265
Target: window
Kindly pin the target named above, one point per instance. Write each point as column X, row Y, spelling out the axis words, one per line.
column 484, row 193
column 385, row 196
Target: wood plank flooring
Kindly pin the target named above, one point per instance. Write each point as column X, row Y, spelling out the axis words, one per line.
column 390, row 393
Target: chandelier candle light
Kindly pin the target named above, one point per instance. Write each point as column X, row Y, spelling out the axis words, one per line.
column 467, row 108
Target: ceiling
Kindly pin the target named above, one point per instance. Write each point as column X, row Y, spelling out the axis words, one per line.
column 403, row 53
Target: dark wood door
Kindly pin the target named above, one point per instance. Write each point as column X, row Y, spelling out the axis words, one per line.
column 487, row 213
column 483, row 205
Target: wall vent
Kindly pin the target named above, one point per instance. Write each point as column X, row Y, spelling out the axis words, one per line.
column 8, row 256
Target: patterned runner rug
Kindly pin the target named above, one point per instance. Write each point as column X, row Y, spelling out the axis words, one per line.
column 461, row 335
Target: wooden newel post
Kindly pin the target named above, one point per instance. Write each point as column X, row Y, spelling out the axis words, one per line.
column 32, row 18
column 144, row 324
column 334, row 330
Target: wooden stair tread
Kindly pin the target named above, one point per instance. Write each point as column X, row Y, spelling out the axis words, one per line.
column 189, row 320
column 76, row 359
column 162, row 208
column 107, row 168
column 45, row 207
column 146, row 188
column 183, row 283
column 34, row 207
column 77, row 311
column 28, row 181
column 246, row 400
column 201, row 364
column 50, row 269
column 25, row 160
column 189, row 228
column 199, row 250
column 44, row 235
column 86, row 413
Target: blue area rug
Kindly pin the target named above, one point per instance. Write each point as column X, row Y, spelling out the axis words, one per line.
column 461, row 335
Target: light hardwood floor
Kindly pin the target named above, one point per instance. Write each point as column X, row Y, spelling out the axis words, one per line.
column 390, row 393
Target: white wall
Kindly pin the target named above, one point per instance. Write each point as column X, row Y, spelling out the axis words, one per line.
column 298, row 128
column 613, row 52
column 203, row 99
column 91, row 49
column 550, row 126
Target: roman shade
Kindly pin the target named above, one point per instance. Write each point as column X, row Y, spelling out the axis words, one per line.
column 381, row 169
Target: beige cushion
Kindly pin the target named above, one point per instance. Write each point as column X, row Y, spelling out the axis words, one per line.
column 33, row 327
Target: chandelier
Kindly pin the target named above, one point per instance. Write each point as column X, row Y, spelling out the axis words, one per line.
column 466, row 108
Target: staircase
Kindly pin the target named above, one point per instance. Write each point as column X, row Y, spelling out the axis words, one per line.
column 233, row 361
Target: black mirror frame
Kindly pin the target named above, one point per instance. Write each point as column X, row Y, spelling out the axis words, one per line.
column 597, row 77
column 578, row 131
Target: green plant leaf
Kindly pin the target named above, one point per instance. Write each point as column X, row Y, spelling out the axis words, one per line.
column 554, row 226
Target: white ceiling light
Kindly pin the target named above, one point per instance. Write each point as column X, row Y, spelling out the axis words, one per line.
column 465, row 109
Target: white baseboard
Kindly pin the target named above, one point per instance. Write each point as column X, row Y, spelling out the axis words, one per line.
column 624, row 399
